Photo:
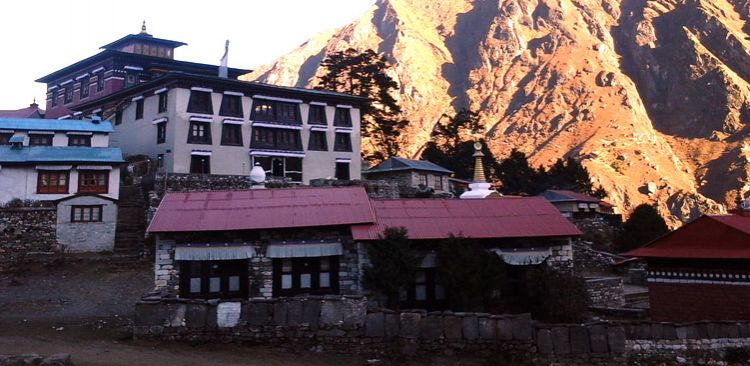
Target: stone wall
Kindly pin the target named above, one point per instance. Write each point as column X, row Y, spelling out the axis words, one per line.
column 333, row 322
column 344, row 323
column 589, row 259
column 26, row 231
column 605, row 292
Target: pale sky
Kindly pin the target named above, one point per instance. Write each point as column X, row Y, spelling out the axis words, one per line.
column 39, row 37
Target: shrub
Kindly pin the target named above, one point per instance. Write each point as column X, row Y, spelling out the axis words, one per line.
column 559, row 296
column 393, row 264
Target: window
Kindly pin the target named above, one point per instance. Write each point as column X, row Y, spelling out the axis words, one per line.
column 160, row 161
column 317, row 115
column 86, row 213
column 93, row 181
column 5, row 138
column 231, row 106
column 342, row 118
column 139, row 109
column 231, row 134
column 273, row 111
column 100, row 81
column 287, row 167
column 40, row 140
column 118, row 117
column 85, row 87
column 163, row 102
column 131, row 79
column 343, row 142
column 79, row 140
column 317, row 141
column 438, row 183
column 276, row 139
column 311, row 275
column 200, row 102
column 342, row 170
column 53, row 98
column 200, row 164
column 423, row 179
column 52, row 181
column 427, row 292
column 161, row 133
column 224, row 279
column 68, row 94
column 200, row 133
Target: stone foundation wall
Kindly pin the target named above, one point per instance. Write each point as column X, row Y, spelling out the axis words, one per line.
column 25, row 231
column 331, row 322
column 606, row 292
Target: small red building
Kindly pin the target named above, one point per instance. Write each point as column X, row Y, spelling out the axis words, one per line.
column 701, row 271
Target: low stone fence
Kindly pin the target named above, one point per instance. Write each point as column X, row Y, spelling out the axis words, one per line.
column 59, row 359
column 26, row 231
column 605, row 291
column 332, row 322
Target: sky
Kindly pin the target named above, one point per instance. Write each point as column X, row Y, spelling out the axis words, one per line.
column 42, row 36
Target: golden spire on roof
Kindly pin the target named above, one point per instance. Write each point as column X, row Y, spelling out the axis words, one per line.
column 479, row 176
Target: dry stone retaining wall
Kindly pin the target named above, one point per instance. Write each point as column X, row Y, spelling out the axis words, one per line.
column 26, row 231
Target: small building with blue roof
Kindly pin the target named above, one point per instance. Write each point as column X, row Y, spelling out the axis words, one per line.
column 411, row 173
column 69, row 163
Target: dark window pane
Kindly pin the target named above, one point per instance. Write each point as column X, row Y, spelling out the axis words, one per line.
column 231, row 106
column 118, row 117
column 52, row 181
column 317, row 115
column 68, row 94
column 163, row 102
column 100, row 81
column 79, row 140
column 343, row 117
column 93, row 181
column 200, row 164
column 200, row 102
column 40, row 140
column 53, row 98
column 276, row 139
column 139, row 109
column 318, row 141
column 5, row 138
column 161, row 133
column 85, row 87
column 343, row 142
column 273, row 111
column 231, row 134
column 342, row 171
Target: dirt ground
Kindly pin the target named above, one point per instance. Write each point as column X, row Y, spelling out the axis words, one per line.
column 82, row 308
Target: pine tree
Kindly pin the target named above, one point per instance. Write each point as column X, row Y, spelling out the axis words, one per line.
column 644, row 225
column 393, row 264
column 363, row 73
column 518, row 177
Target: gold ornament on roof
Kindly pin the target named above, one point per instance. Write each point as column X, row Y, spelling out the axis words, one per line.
column 478, row 165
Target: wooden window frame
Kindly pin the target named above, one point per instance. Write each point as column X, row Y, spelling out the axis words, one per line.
column 83, row 209
column 276, row 139
column 339, row 169
column 342, row 117
column 196, row 139
column 93, row 188
column 197, row 100
column 227, row 269
column 315, row 144
column 34, row 139
column 438, row 182
column 163, row 102
column 85, row 85
column 139, row 109
column 298, row 265
column 100, row 82
column 339, row 143
column 228, row 108
column 161, row 133
column 85, row 138
column 228, row 137
column 274, row 111
column 431, row 285
column 422, row 179
column 68, row 98
column 53, row 98
column 56, row 189
column 320, row 111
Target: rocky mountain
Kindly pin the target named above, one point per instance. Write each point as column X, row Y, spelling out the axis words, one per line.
column 652, row 96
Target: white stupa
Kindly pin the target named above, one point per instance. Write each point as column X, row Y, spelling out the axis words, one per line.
column 479, row 188
column 257, row 177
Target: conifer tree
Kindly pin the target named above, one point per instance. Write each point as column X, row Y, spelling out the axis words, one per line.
column 363, row 74
column 644, row 225
column 393, row 264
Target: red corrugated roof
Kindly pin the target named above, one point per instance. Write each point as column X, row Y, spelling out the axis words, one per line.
column 261, row 209
column 708, row 237
column 506, row 217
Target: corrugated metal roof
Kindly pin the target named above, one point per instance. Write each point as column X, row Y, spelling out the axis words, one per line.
column 61, row 154
column 559, row 195
column 73, row 125
column 507, row 217
column 395, row 164
column 261, row 209
column 708, row 237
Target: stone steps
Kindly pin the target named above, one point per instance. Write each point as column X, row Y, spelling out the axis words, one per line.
column 130, row 242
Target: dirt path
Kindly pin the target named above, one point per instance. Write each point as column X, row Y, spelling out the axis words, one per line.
column 83, row 308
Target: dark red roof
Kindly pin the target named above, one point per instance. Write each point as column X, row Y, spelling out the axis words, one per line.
column 557, row 195
column 507, row 217
column 708, row 237
column 28, row 112
column 261, row 209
